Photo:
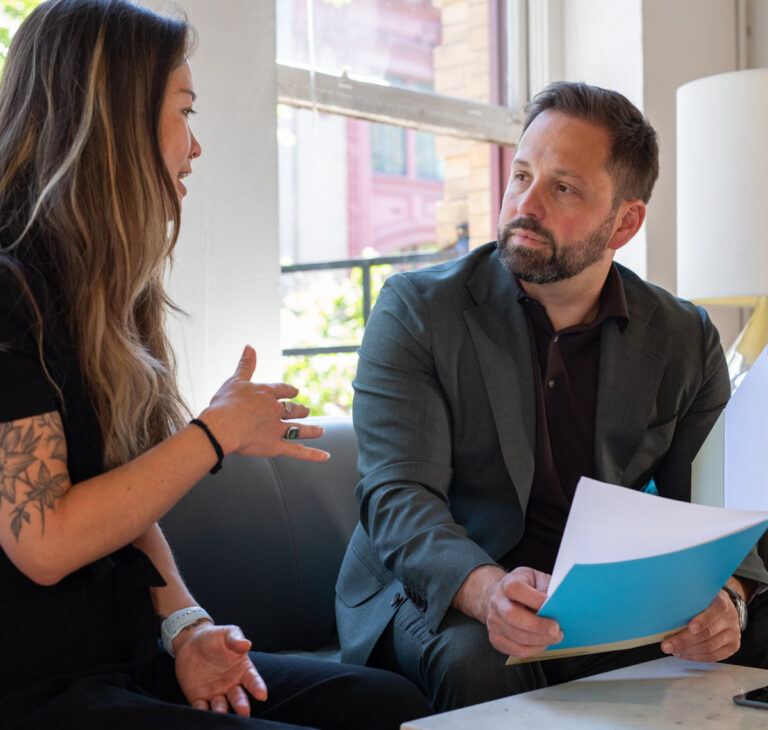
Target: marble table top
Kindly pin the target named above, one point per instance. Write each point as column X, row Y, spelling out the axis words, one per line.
column 665, row 693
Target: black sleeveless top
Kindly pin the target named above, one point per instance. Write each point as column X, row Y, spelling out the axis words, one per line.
column 99, row 618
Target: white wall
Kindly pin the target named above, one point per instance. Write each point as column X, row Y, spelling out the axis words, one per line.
column 226, row 275
column 683, row 40
column 603, row 45
column 602, row 42
column 757, row 47
column 646, row 49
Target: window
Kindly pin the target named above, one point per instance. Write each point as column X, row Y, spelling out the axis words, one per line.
column 389, row 123
column 428, row 165
column 389, row 149
column 12, row 12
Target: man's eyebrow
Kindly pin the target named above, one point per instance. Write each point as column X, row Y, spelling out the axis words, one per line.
column 560, row 171
column 190, row 92
column 567, row 173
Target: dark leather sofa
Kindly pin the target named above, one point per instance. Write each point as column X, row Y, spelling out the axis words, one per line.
column 260, row 543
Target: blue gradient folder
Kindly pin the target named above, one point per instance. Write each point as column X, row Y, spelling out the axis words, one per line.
column 671, row 559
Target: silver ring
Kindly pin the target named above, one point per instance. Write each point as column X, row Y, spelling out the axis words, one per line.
column 289, row 406
column 292, row 433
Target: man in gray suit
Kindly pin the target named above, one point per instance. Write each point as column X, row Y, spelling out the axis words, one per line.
column 488, row 385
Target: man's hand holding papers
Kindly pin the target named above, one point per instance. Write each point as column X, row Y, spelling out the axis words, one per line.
column 513, row 626
column 507, row 603
column 712, row 635
column 635, row 569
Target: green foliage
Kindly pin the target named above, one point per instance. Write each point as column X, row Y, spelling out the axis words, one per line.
column 324, row 309
column 12, row 12
column 324, row 382
column 16, row 10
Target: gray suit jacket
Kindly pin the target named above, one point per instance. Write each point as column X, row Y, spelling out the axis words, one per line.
column 444, row 413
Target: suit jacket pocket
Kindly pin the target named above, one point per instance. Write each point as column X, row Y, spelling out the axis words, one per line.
column 356, row 582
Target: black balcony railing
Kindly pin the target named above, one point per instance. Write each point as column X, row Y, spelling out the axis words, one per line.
column 410, row 260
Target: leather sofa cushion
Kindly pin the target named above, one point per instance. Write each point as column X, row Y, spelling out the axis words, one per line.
column 260, row 543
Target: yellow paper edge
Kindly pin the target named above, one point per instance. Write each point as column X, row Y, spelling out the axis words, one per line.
column 593, row 649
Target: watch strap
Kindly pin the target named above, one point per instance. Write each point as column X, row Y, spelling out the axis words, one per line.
column 178, row 621
column 740, row 604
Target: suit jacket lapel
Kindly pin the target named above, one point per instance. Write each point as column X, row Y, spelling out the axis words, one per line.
column 500, row 334
column 631, row 366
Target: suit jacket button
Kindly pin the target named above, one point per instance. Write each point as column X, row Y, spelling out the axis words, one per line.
column 419, row 601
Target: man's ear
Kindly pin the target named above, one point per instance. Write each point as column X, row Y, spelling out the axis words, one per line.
column 631, row 216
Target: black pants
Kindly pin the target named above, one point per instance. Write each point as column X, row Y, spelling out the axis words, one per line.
column 303, row 693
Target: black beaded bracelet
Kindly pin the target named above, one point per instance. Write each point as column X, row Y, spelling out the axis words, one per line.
column 214, row 443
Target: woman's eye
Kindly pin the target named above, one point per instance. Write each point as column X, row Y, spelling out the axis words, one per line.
column 188, row 111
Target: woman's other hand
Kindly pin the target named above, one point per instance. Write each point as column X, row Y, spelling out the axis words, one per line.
column 248, row 418
column 215, row 671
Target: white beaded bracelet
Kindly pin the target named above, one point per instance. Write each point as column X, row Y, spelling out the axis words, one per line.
column 178, row 621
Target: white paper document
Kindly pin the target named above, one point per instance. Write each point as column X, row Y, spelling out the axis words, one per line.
column 608, row 524
column 634, row 567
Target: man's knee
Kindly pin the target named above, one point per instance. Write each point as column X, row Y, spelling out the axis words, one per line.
column 477, row 674
column 457, row 666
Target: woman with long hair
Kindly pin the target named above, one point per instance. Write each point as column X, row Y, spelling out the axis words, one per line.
column 95, row 443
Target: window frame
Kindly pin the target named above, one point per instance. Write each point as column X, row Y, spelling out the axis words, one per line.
column 349, row 96
column 498, row 123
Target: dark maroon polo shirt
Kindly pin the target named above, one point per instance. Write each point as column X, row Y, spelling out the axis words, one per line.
column 566, row 367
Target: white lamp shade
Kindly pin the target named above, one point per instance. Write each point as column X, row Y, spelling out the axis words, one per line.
column 722, row 187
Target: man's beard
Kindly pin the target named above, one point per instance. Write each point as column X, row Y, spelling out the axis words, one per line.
column 555, row 262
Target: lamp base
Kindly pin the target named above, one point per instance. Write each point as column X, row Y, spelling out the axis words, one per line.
column 751, row 341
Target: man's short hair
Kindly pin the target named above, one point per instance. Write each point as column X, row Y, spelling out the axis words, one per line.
column 633, row 162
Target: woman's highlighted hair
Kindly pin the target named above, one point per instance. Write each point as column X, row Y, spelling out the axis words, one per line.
column 85, row 197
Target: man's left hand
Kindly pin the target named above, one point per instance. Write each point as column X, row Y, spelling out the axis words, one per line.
column 215, row 672
column 711, row 636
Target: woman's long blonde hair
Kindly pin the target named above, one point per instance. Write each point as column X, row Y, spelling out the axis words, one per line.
column 85, row 195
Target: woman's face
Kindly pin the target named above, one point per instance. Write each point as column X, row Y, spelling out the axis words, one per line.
column 177, row 143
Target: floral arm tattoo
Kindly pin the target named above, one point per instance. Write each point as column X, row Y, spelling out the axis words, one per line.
column 33, row 474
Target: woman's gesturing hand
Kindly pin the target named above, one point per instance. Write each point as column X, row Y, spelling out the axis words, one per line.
column 248, row 418
column 215, row 671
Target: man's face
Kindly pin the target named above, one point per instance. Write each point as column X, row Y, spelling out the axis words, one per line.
column 557, row 217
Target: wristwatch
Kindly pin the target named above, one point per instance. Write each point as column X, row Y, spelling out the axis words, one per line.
column 741, row 606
